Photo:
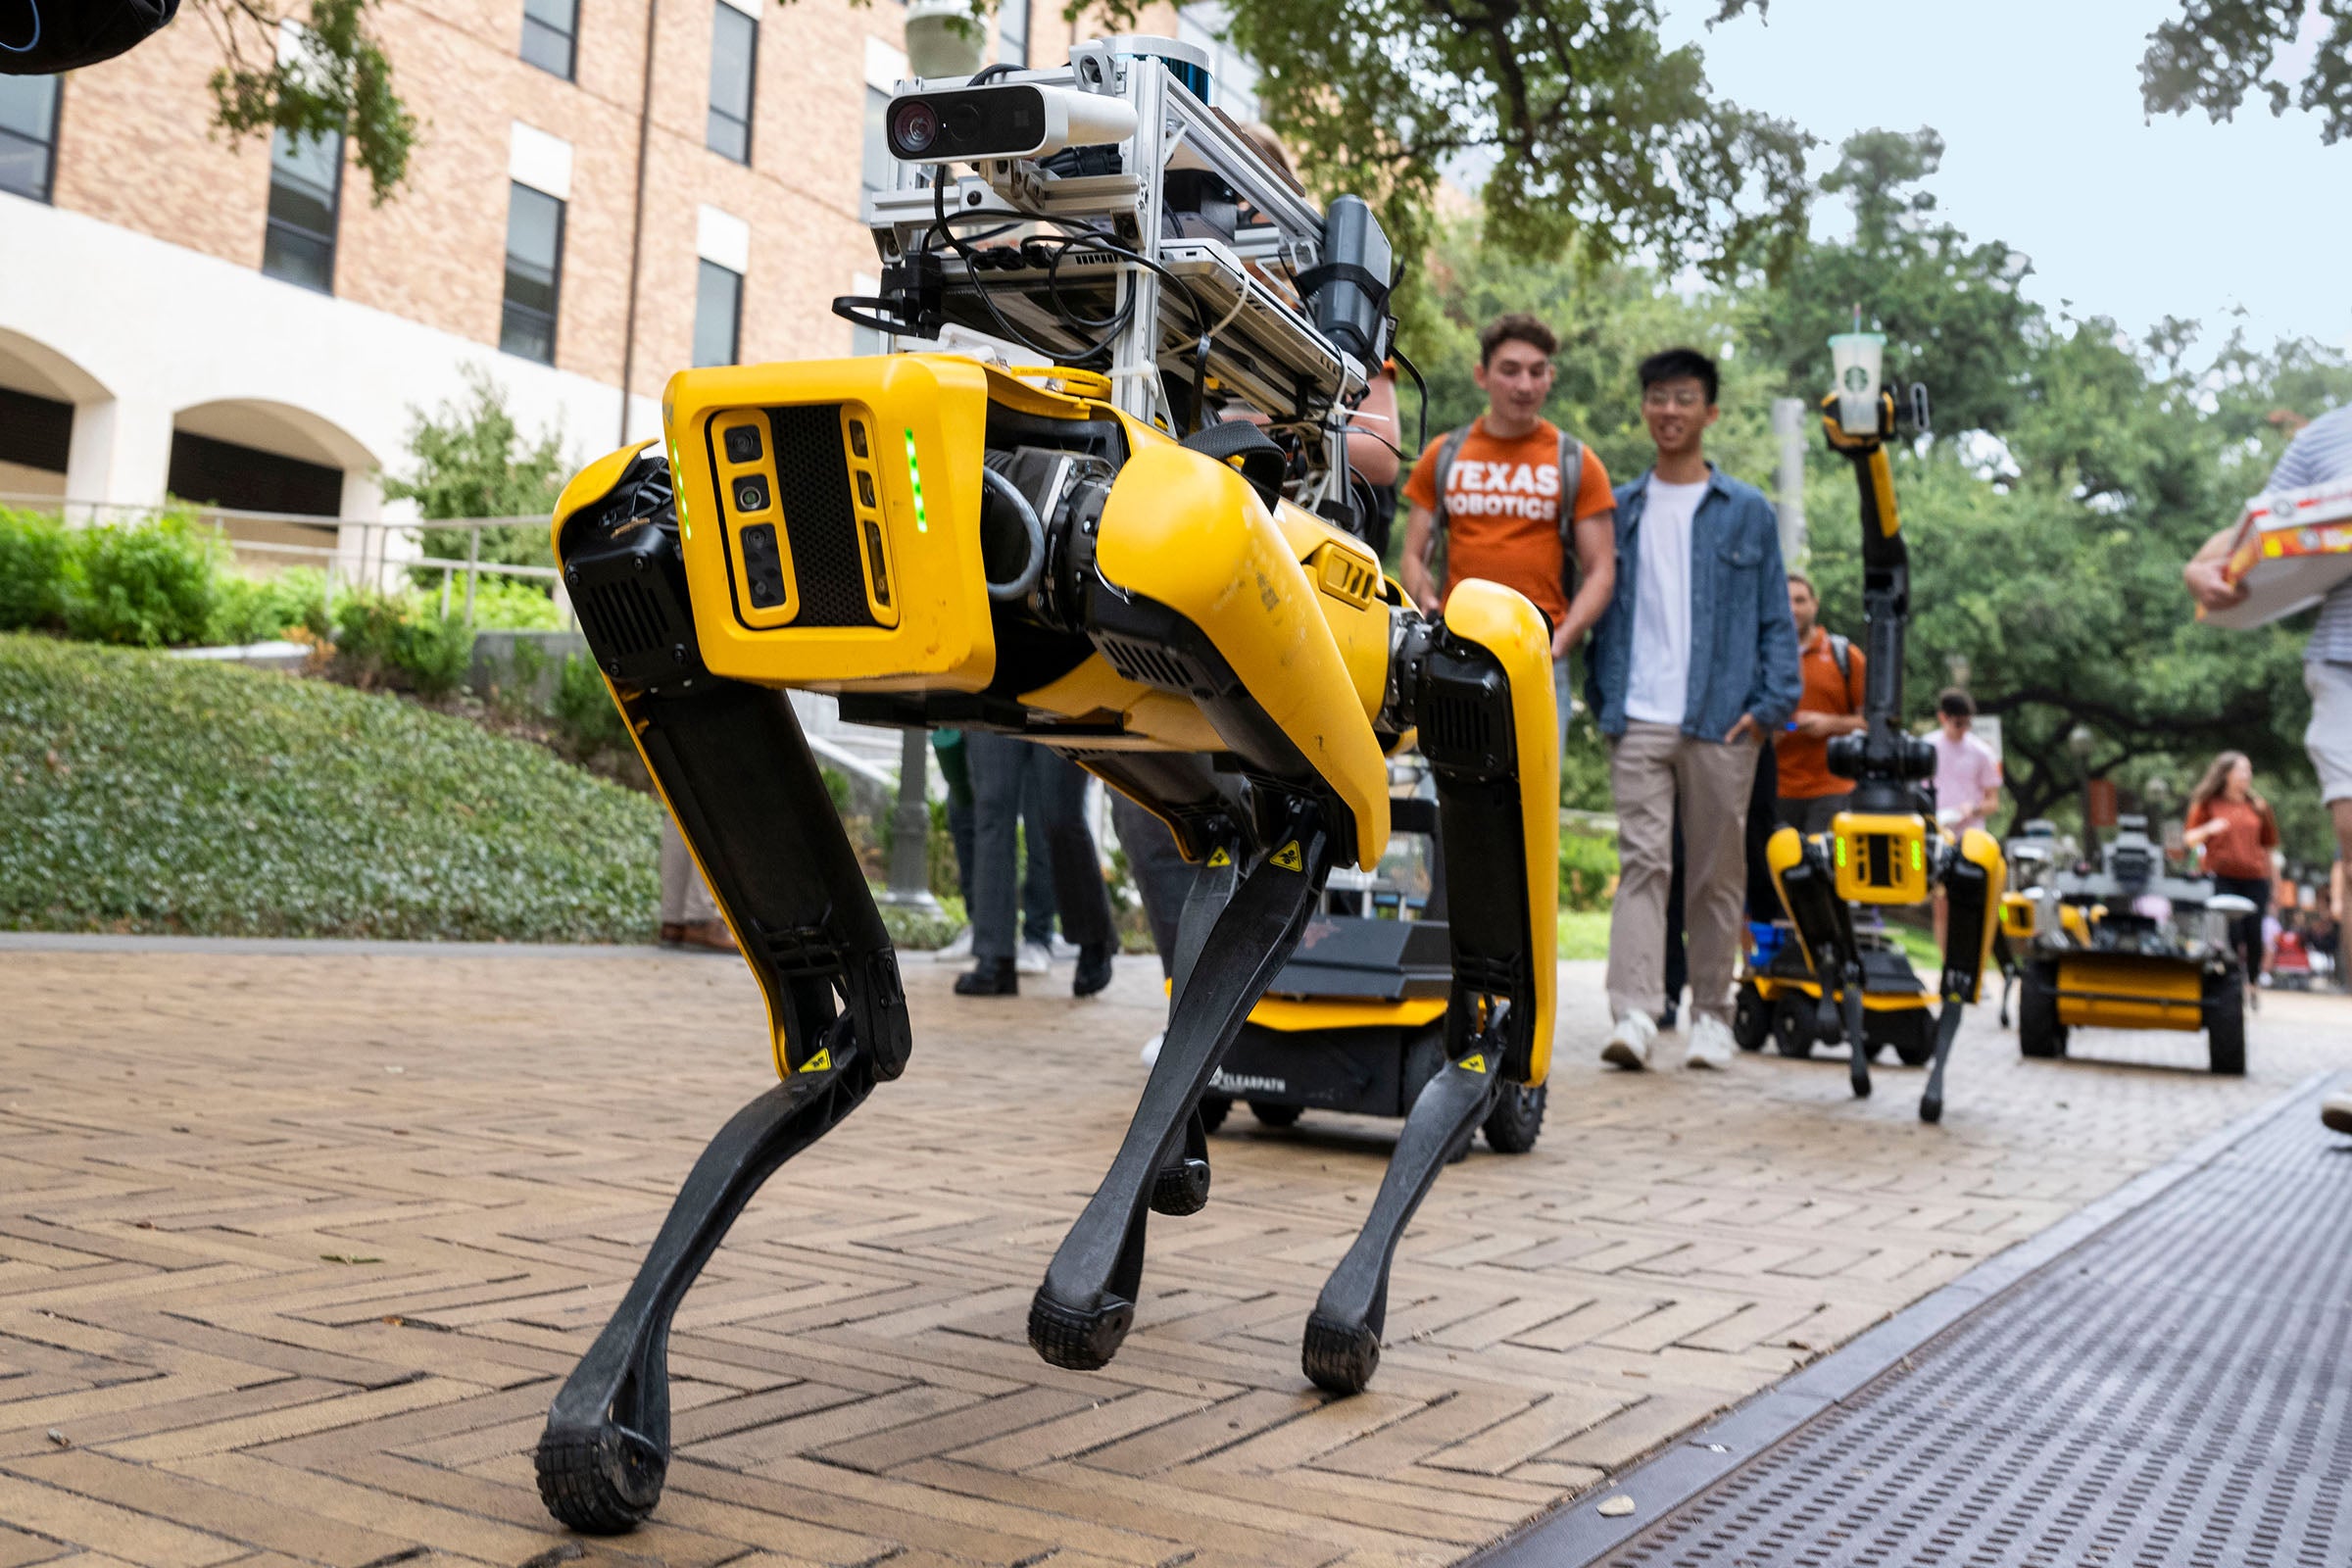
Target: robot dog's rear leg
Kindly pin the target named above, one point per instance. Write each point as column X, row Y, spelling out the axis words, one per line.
column 738, row 776
column 1182, row 1185
column 1801, row 868
column 1486, row 716
column 1087, row 1303
column 1972, row 881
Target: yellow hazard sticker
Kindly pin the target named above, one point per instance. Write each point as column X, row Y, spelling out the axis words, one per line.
column 818, row 1062
column 1218, row 857
column 1289, row 857
column 1473, row 1063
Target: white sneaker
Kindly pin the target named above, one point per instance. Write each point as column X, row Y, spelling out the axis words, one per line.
column 959, row 950
column 1710, row 1043
column 1064, row 950
column 1151, row 1048
column 2336, row 1113
column 1034, row 958
column 1629, row 1042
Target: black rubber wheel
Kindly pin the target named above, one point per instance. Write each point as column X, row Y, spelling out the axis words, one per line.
column 1517, row 1119
column 1911, row 1031
column 1752, row 1018
column 2225, row 1023
column 1214, row 1108
column 2038, row 1031
column 600, row 1486
column 1273, row 1113
column 1792, row 1026
column 1338, row 1357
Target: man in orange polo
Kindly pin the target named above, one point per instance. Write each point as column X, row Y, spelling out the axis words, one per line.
column 1831, row 668
column 1515, row 501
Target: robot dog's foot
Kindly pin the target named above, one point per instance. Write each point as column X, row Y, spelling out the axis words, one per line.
column 1948, row 1029
column 1182, row 1186
column 1856, row 1045
column 605, row 1448
column 1087, row 1303
column 1341, row 1347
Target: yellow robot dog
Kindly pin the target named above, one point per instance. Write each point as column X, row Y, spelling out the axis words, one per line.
column 1884, row 848
column 941, row 542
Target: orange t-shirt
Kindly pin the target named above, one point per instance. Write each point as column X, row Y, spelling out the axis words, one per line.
column 1502, row 511
column 2242, row 848
column 1805, row 759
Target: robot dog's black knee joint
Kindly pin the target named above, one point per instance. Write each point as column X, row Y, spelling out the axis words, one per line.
column 1464, row 713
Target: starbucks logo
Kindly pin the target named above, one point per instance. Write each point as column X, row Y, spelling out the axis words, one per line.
column 1857, row 380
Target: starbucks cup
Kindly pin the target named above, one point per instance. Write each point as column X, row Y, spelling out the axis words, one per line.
column 1855, row 357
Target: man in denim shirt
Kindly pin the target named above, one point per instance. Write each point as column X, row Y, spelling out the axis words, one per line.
column 1693, row 665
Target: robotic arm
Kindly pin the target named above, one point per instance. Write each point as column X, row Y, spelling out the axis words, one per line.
column 1884, row 848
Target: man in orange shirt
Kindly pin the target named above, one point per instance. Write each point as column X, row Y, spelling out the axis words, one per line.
column 1831, row 670
column 1499, row 493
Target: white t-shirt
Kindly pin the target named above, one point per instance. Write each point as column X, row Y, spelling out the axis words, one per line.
column 1657, row 688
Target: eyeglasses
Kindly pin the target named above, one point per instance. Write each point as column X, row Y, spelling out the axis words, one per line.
column 1680, row 398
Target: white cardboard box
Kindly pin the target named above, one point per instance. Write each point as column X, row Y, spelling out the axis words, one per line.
column 2291, row 549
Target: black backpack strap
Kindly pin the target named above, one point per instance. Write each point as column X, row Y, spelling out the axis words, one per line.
column 1843, row 651
column 1572, row 474
column 1262, row 462
column 1449, row 451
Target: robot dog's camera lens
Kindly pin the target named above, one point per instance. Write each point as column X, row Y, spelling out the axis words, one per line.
column 743, row 444
column 913, row 128
column 750, row 493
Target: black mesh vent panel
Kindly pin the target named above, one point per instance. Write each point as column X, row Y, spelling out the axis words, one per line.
column 820, row 527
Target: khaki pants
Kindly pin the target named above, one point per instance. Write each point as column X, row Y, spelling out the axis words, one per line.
column 684, row 898
column 1649, row 769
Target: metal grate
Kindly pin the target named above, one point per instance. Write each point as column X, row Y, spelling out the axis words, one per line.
column 2176, row 1392
column 813, row 484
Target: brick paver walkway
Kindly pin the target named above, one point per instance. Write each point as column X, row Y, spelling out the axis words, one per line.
column 294, row 1250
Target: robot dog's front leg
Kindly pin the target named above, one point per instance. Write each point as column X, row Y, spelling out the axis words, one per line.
column 1481, row 696
column 1087, row 1303
column 1800, row 869
column 1973, row 875
column 737, row 774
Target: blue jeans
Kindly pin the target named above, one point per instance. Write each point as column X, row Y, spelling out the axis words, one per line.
column 1004, row 770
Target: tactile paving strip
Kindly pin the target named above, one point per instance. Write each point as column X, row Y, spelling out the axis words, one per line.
column 2176, row 1392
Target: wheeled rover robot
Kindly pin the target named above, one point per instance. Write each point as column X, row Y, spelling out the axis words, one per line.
column 2124, row 946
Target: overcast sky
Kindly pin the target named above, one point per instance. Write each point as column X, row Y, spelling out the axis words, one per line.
column 2045, row 146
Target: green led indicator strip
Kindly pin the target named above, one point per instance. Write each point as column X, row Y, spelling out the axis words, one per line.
column 915, row 471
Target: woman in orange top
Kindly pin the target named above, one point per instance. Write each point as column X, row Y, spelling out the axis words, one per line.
column 2235, row 829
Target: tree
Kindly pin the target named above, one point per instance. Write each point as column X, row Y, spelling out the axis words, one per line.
column 2217, row 53
column 1950, row 307
column 473, row 462
column 339, row 82
column 1596, row 139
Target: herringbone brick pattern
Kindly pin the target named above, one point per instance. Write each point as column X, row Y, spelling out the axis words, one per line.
column 295, row 1249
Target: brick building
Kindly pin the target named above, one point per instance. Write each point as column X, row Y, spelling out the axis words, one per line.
column 235, row 322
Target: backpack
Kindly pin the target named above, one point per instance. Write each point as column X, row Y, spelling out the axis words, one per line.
column 1572, row 468
column 1843, row 651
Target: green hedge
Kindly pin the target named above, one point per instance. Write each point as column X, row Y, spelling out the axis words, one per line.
column 144, row 793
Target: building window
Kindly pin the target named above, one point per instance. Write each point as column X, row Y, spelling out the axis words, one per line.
column 534, row 270
column 28, row 135
column 306, row 178
column 717, row 314
column 35, row 432
column 551, row 34
column 1012, row 33
column 734, row 45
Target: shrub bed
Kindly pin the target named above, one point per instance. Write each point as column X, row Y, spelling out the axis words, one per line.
column 143, row 793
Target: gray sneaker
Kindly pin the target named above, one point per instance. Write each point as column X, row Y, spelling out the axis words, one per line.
column 1629, row 1042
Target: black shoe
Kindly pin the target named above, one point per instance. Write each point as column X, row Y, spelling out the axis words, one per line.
column 1666, row 1018
column 1094, row 969
column 990, row 977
